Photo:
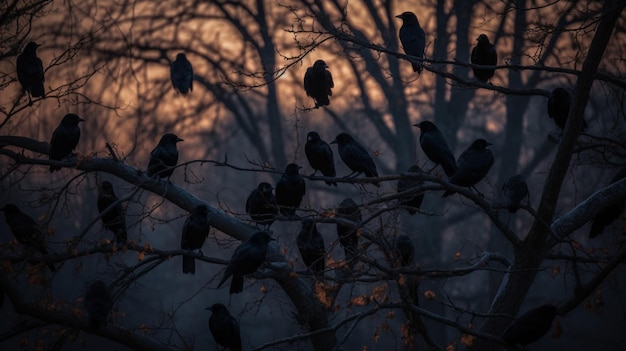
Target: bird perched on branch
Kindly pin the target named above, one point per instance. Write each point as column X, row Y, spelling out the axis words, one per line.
column 348, row 234
column 435, row 147
column 610, row 212
column 355, row 156
column 181, row 74
column 290, row 190
column 404, row 250
column 30, row 70
column 164, row 157
column 261, row 204
column 64, row 139
column 318, row 83
column 26, row 230
column 114, row 219
column 224, row 327
column 320, row 156
column 559, row 104
column 515, row 190
column 473, row 165
column 246, row 259
column 311, row 247
column 484, row 53
column 195, row 231
column 97, row 303
column 530, row 326
column 413, row 39
column 412, row 203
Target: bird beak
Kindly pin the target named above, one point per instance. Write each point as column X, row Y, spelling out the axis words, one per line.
column 334, row 141
column 299, row 167
column 399, row 16
column 80, row 120
column 209, row 308
column 488, row 143
column 416, row 125
column 179, row 139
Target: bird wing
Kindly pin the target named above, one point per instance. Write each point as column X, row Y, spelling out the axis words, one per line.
column 329, row 81
column 308, row 81
column 436, row 148
column 359, row 158
column 184, row 237
column 413, row 40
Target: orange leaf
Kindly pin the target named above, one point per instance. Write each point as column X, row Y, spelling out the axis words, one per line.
column 263, row 289
column 457, row 256
column 467, row 340
column 451, row 346
column 556, row 270
column 140, row 256
column 358, row 301
column 429, row 294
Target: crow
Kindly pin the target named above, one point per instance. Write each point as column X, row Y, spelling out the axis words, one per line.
column 195, row 231
column 413, row 39
column 246, row 259
column 64, row 139
column 412, row 203
column 404, row 250
column 355, row 156
column 181, row 73
column 224, row 327
column 311, row 246
column 261, row 204
column 97, row 303
column 347, row 234
column 610, row 212
column 559, row 104
column 318, row 83
column 320, row 156
column 474, row 164
column 26, row 230
column 484, row 53
column 530, row 326
column 290, row 190
column 30, row 70
column 164, row 156
column 515, row 190
column 435, row 147
column 114, row 220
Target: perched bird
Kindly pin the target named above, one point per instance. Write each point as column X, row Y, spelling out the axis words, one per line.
column 246, row 259
column 530, row 326
column 484, row 53
column 114, row 220
column 611, row 212
column 318, row 83
column 261, row 204
column 355, row 156
column 559, row 104
column 474, row 164
column 435, row 147
column 64, row 138
column 224, row 327
column 164, row 156
column 412, row 38
column 311, row 246
column 515, row 190
column 195, row 231
column 26, row 230
column 30, row 70
column 97, row 303
column 412, row 203
column 347, row 234
column 181, row 74
column 290, row 190
column 320, row 156
column 404, row 250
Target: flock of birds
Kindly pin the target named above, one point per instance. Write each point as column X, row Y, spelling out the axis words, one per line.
column 266, row 202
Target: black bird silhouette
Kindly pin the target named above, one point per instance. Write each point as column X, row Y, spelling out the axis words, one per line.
column 246, row 259
column 261, row 204
column 311, row 246
column 412, row 38
column 224, row 327
column 320, row 156
column 97, row 303
column 347, row 234
column 30, row 70
column 64, row 139
column 412, row 203
column 435, row 147
column 484, row 53
column 355, row 156
column 515, row 190
column 559, row 104
column 404, row 250
column 290, row 190
column 181, row 74
column 195, row 231
column 26, row 230
column 164, row 156
column 473, row 165
column 611, row 212
column 318, row 83
column 113, row 220
column 530, row 326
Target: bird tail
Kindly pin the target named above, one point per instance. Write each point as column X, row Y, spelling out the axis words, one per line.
column 189, row 265
column 448, row 193
column 323, row 100
column 236, row 285
column 37, row 90
column 417, row 67
column 121, row 235
column 54, row 168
